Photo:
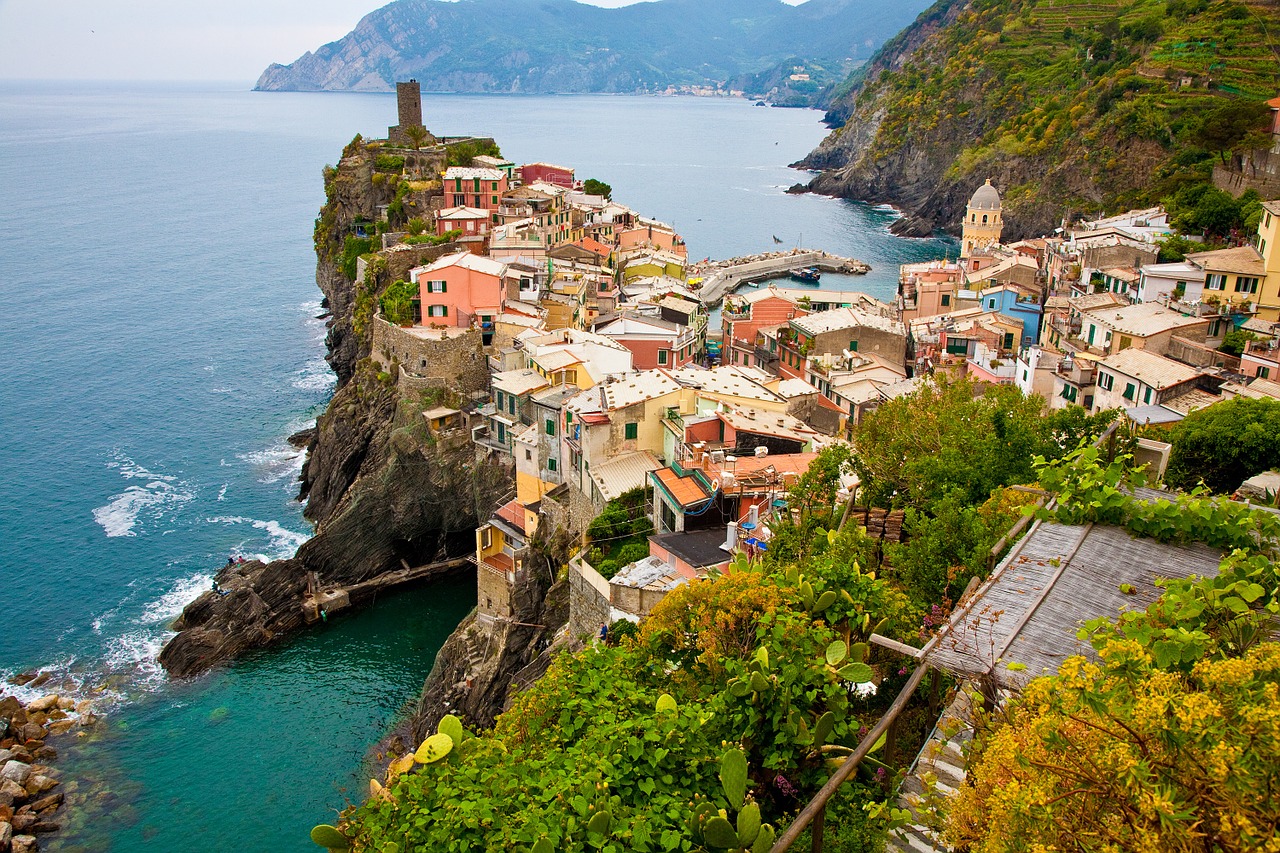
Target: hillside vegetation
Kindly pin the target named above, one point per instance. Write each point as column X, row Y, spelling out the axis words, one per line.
column 1068, row 106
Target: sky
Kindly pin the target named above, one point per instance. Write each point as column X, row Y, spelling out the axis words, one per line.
column 232, row 40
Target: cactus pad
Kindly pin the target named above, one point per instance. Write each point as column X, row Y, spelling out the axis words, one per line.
column 328, row 837
column 451, row 726
column 733, row 776
column 720, row 833
column 433, row 749
column 748, row 824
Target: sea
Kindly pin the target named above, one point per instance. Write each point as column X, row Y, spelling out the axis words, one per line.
column 161, row 337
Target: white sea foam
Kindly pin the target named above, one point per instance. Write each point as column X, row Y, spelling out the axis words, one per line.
column 184, row 591
column 160, row 494
column 222, row 493
column 315, row 376
column 275, row 463
column 282, row 542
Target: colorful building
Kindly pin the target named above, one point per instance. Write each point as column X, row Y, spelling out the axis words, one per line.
column 561, row 176
column 468, row 186
column 460, row 290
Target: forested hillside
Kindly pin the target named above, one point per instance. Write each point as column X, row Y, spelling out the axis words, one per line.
column 1069, row 106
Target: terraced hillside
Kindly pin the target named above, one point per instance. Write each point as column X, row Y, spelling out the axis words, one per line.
column 1068, row 106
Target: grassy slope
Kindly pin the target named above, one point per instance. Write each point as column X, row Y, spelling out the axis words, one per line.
column 1069, row 104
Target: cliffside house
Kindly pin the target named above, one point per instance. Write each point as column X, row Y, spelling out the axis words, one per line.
column 460, row 290
column 1016, row 303
column 837, row 331
column 561, row 176
column 471, row 221
column 1159, row 282
column 469, row 186
column 1108, row 330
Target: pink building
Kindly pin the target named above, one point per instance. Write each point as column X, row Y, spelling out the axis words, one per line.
column 460, row 289
column 561, row 176
column 653, row 342
column 746, row 314
column 651, row 235
column 471, row 221
column 465, row 186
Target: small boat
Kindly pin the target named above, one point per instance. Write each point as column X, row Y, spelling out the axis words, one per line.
column 809, row 275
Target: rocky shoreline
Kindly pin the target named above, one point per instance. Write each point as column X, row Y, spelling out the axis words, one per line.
column 31, row 791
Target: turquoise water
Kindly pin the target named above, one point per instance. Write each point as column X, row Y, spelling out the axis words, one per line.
column 159, row 342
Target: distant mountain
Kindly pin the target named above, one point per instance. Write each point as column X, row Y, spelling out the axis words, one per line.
column 538, row 46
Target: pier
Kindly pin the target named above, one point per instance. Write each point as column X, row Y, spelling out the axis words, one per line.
column 723, row 277
column 320, row 603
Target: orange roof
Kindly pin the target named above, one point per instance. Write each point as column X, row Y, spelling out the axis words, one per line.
column 686, row 490
column 512, row 513
column 795, row 462
column 1274, row 103
column 593, row 245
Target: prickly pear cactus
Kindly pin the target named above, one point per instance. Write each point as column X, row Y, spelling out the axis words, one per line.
column 434, row 748
column 329, row 837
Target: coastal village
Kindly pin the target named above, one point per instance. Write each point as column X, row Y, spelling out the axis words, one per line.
column 607, row 378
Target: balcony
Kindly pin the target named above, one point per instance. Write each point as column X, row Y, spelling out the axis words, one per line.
column 482, row 437
column 1077, row 371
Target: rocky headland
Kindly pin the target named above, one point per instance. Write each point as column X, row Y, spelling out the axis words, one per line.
column 384, row 496
column 1070, row 113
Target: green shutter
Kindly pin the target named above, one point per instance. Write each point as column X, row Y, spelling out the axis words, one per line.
column 632, row 430
column 551, row 427
column 551, row 464
column 1130, row 390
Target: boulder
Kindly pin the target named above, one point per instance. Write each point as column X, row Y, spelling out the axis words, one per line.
column 45, row 753
column 5, row 755
column 9, row 704
column 6, row 836
column 61, row 727
column 24, row 844
column 13, row 792
column 6, row 813
column 45, row 826
column 22, row 821
column 48, row 803
column 31, row 731
column 44, row 704
column 66, row 703
column 15, row 771
column 41, row 783
column 84, row 706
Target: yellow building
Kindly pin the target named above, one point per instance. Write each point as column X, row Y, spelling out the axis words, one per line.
column 1269, row 250
column 982, row 221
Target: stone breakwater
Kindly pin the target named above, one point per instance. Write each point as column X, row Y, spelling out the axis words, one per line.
column 30, row 790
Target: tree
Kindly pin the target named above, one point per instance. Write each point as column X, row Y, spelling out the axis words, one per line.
column 1123, row 755
column 1225, row 444
column 593, row 187
column 1235, row 126
column 417, row 135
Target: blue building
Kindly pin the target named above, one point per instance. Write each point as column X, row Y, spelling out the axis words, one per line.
column 1018, row 305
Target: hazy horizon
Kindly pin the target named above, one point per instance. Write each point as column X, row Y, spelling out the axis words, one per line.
column 229, row 41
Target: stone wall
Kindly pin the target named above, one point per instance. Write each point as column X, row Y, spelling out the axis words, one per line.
column 567, row 508
column 457, row 357
column 588, row 599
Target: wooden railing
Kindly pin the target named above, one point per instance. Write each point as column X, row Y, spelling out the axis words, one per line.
column 816, row 812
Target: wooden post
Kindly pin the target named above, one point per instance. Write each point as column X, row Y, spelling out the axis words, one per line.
column 819, row 825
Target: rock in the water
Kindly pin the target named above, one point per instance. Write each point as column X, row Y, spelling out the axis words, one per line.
column 16, row 771
column 41, row 783
column 43, row 704
column 12, row 791
column 45, row 826
column 48, row 803
column 24, row 844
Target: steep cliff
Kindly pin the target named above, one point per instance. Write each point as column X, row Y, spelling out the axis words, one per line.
column 565, row 46
column 382, row 492
column 1068, row 107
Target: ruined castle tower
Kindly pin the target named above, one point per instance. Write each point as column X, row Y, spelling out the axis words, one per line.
column 409, row 108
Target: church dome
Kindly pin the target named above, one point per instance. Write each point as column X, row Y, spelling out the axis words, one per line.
column 985, row 198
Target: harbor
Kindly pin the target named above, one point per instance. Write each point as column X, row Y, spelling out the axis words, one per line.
column 721, row 278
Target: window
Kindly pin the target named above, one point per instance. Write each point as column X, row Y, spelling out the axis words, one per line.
column 551, row 427
column 437, row 287
column 662, row 356
column 1008, row 340
column 511, row 404
column 1246, row 284
column 631, row 430
column 502, row 434
column 551, row 464
column 528, row 455
column 493, row 185
column 1264, row 373
column 946, row 299
column 568, row 417
column 991, row 303
column 486, row 537
column 1125, row 342
column 853, row 346
column 1106, row 381
column 1146, row 396
column 437, row 310
column 1215, row 281
column 1130, row 391
column 475, row 184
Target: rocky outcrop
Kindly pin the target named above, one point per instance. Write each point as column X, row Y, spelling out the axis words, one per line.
column 1067, row 114
column 384, row 495
column 485, row 663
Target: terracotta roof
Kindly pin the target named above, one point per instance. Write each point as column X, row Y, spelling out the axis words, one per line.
column 512, row 513
column 592, row 245
column 687, row 491
column 1241, row 259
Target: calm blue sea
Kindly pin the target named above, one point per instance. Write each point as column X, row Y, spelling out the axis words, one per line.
column 159, row 341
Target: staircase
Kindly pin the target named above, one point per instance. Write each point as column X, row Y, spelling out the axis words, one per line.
column 942, row 762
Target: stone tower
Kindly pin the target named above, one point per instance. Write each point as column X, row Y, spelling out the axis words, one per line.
column 982, row 221
column 409, row 108
column 409, row 103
